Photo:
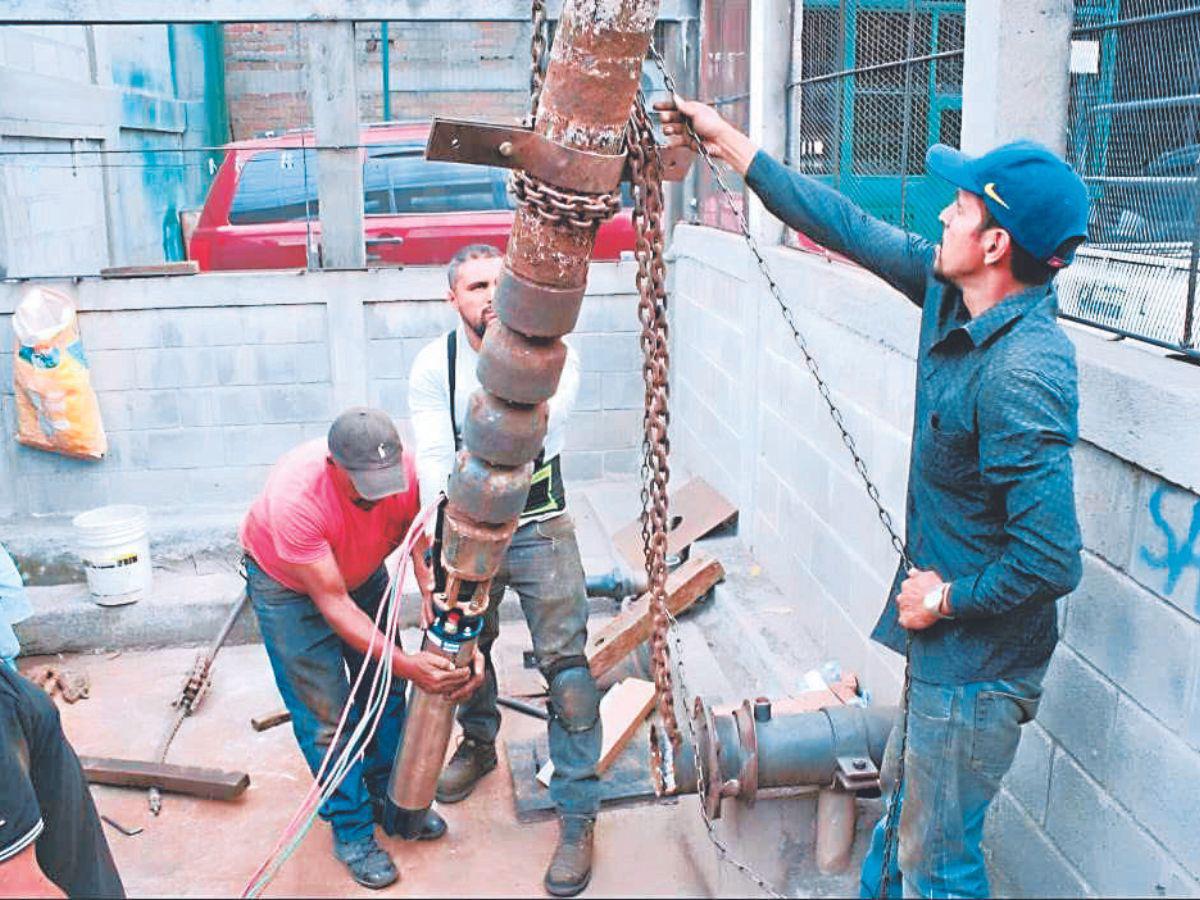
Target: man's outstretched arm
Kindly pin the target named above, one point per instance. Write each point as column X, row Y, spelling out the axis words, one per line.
column 901, row 258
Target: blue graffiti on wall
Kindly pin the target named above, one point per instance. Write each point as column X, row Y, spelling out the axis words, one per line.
column 1179, row 555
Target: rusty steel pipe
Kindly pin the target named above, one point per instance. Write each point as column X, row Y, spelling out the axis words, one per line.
column 765, row 744
column 591, row 81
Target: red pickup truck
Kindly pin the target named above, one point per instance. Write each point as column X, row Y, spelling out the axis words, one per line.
column 262, row 208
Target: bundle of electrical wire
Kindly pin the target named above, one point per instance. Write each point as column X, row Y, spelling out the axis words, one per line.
column 340, row 758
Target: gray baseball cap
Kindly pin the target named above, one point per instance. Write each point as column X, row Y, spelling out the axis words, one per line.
column 365, row 443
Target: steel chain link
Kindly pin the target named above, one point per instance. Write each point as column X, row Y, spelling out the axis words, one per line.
column 723, row 851
column 560, row 207
column 645, row 168
column 537, row 52
column 551, row 204
column 860, row 465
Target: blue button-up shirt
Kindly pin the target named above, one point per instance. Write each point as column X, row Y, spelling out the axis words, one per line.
column 991, row 505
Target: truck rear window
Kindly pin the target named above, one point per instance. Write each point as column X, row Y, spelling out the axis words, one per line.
column 397, row 179
column 276, row 186
column 281, row 185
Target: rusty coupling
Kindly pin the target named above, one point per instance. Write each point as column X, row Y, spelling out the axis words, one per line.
column 761, row 744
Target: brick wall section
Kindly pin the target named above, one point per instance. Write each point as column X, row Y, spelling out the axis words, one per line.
column 266, row 86
column 462, row 69
column 1101, row 799
column 203, row 382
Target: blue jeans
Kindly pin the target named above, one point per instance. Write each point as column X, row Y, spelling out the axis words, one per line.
column 961, row 741
column 543, row 566
column 310, row 664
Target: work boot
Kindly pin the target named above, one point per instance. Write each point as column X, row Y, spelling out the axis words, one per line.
column 570, row 868
column 471, row 761
column 422, row 825
column 369, row 864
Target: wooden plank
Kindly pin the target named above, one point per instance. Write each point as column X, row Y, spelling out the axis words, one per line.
column 270, row 720
column 187, row 267
column 626, row 779
column 211, row 784
column 697, row 508
column 612, row 643
column 622, row 710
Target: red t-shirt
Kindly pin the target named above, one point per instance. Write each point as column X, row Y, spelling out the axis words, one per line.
column 301, row 517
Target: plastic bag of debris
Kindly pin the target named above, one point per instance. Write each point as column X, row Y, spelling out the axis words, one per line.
column 57, row 408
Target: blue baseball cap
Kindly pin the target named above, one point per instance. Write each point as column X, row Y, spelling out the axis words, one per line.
column 1034, row 195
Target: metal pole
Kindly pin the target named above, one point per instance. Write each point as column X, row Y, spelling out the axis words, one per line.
column 386, row 63
column 772, row 744
column 906, row 131
column 586, row 100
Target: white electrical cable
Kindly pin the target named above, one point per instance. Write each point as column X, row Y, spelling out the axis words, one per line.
column 333, row 771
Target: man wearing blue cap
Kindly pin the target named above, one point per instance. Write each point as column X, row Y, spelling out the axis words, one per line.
column 991, row 522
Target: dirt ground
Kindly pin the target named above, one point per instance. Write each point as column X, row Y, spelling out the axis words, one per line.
column 210, row 848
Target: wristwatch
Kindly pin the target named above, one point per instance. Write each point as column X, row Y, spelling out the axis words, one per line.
column 936, row 599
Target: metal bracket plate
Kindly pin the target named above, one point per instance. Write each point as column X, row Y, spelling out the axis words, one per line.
column 856, row 773
column 517, row 147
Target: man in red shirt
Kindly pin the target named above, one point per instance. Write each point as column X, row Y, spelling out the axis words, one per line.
column 315, row 541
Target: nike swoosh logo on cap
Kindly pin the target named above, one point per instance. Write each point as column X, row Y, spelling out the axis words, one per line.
column 990, row 190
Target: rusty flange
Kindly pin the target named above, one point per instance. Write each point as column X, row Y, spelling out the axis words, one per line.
column 488, row 493
column 537, row 310
column 743, row 717
column 503, row 433
column 520, row 369
column 708, row 749
column 472, row 551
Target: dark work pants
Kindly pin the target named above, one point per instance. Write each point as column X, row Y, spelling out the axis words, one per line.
column 313, row 671
column 544, row 568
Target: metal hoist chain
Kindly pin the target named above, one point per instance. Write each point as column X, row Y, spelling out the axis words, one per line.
column 723, row 851
column 646, row 177
column 537, row 51
column 645, row 168
column 860, row 465
column 559, row 207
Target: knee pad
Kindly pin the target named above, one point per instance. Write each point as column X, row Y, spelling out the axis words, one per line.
column 574, row 698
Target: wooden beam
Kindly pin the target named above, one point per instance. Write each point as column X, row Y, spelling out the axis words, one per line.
column 612, row 643
column 211, row 784
column 270, row 720
column 697, row 508
column 622, row 710
column 145, row 12
column 187, row 267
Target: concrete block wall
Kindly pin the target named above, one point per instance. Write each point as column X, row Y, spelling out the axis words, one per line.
column 204, row 381
column 70, row 89
column 1101, row 799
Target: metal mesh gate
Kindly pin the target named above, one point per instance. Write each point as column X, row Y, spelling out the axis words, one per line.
column 1135, row 138
column 879, row 83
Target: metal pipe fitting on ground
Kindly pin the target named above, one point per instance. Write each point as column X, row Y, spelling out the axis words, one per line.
column 772, row 744
column 587, row 96
column 617, row 584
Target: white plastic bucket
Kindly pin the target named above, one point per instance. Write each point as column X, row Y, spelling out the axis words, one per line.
column 115, row 549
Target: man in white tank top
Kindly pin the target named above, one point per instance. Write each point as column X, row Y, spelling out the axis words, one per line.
column 542, row 565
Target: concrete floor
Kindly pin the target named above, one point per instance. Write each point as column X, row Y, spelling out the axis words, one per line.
column 210, row 848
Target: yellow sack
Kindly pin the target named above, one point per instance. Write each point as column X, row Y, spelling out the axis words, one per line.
column 57, row 409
